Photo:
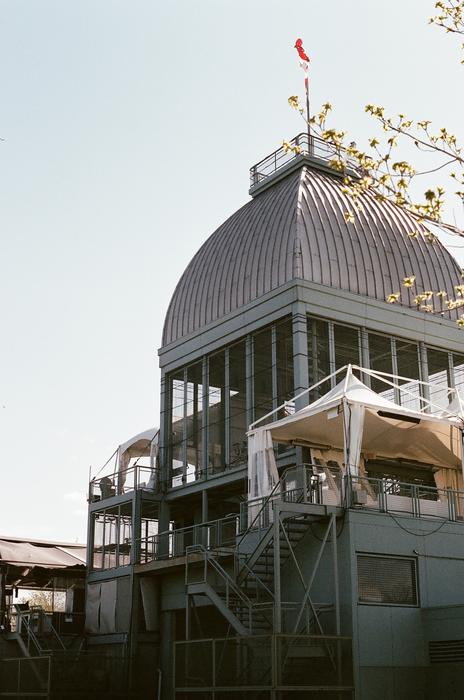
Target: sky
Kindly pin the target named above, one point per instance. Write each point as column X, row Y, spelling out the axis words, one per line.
column 129, row 128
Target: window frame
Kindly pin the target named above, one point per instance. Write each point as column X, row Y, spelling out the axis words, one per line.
column 400, row 557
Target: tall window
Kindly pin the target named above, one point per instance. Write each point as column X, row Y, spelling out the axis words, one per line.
column 262, row 375
column 458, row 365
column 407, row 357
column 284, row 361
column 438, row 367
column 380, row 358
column 216, row 412
column 194, row 418
column 237, row 404
column 177, row 394
column 318, row 355
column 347, row 346
column 112, row 537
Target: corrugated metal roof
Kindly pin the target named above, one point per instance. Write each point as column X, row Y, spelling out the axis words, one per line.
column 296, row 229
column 45, row 556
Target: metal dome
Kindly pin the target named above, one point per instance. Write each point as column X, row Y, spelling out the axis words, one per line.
column 295, row 229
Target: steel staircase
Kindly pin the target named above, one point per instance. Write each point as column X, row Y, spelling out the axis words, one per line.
column 33, row 636
column 246, row 597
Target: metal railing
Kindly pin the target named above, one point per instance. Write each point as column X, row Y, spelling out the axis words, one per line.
column 174, row 543
column 300, row 145
column 285, row 663
column 392, row 496
column 33, row 624
column 121, row 482
column 212, row 573
column 25, row 677
column 300, row 484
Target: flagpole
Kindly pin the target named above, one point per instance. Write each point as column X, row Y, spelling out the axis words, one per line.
column 304, row 63
column 308, row 115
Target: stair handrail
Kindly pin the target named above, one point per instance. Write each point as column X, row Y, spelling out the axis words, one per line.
column 195, row 548
column 265, row 503
column 57, row 637
column 244, row 565
column 230, row 583
column 23, row 615
column 272, row 495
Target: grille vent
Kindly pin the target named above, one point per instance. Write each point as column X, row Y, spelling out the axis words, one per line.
column 447, row 652
column 387, row 580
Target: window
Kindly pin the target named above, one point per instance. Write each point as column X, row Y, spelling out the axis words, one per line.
column 458, row 364
column 347, row 347
column 262, row 380
column 318, row 356
column 194, row 417
column 284, row 361
column 216, row 412
column 177, row 399
column 438, row 368
column 385, row 580
column 112, row 537
column 380, row 358
column 407, row 356
column 237, row 405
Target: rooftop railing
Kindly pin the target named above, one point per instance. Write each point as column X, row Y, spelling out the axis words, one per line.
column 302, row 144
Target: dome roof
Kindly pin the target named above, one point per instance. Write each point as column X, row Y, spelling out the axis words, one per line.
column 295, row 229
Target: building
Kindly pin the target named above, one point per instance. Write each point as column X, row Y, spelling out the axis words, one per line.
column 334, row 582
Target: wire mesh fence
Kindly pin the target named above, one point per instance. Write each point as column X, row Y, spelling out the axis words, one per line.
column 63, row 676
column 289, row 664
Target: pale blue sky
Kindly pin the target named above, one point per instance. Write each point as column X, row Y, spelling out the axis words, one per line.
column 129, row 129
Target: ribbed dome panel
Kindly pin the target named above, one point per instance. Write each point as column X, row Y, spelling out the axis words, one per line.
column 296, row 229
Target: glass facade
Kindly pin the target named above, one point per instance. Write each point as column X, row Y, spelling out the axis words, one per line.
column 115, row 531
column 213, row 401
column 112, row 537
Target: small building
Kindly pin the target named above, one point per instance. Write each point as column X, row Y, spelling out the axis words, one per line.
column 260, row 544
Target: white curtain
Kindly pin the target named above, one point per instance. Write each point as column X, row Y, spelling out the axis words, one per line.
column 92, row 608
column 262, row 469
column 154, row 450
column 353, row 418
column 108, row 606
column 123, row 463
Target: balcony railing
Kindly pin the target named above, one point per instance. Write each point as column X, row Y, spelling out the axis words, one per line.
column 308, row 484
column 173, row 543
column 391, row 496
column 122, row 482
column 302, row 144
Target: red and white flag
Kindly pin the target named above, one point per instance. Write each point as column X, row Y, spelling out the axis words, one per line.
column 304, row 61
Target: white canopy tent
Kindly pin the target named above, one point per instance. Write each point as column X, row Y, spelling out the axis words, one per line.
column 353, row 418
column 145, row 444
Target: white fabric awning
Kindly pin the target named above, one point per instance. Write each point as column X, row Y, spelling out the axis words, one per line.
column 354, row 418
column 140, row 444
